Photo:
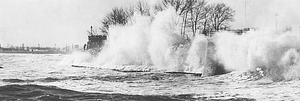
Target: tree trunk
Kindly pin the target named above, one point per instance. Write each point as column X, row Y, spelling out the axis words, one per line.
column 204, row 28
column 184, row 23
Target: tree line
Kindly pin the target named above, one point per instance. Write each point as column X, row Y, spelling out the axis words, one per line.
column 198, row 16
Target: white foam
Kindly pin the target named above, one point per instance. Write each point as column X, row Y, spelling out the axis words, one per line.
column 269, row 50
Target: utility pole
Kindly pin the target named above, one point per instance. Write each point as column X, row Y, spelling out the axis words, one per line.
column 245, row 13
column 91, row 30
column 276, row 20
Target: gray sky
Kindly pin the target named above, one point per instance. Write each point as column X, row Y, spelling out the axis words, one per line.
column 62, row 22
column 50, row 22
column 261, row 13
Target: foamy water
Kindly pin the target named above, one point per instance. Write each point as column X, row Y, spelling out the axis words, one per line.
column 156, row 42
column 256, row 63
column 260, row 62
column 46, row 70
column 277, row 53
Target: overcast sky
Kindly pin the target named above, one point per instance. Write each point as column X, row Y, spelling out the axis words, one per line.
column 62, row 22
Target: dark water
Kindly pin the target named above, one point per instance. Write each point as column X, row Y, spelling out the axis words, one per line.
column 42, row 77
column 52, row 93
column 19, row 89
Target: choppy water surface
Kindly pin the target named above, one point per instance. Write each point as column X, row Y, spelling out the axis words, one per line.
column 41, row 77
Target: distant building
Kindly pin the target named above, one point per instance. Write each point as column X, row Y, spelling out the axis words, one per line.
column 96, row 41
column 27, row 49
column 241, row 31
column 76, row 46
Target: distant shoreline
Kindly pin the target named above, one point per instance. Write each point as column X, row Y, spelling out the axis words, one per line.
column 33, row 52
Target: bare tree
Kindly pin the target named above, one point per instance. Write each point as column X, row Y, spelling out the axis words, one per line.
column 205, row 22
column 185, row 10
column 118, row 16
column 129, row 11
column 197, row 14
column 220, row 16
column 180, row 6
column 158, row 7
column 143, row 8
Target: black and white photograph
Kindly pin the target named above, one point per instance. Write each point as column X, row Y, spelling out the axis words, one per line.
column 149, row 50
